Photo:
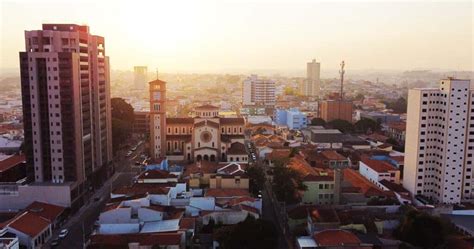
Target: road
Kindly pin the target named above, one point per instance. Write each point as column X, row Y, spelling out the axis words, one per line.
column 81, row 224
column 268, row 210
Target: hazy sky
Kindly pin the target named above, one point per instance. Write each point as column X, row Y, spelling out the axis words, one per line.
column 241, row 35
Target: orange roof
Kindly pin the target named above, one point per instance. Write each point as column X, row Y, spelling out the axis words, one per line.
column 378, row 165
column 399, row 159
column 138, row 189
column 278, row 154
column 336, row 237
column 11, row 162
column 299, row 165
column 30, row 224
column 332, row 155
column 46, row 210
column 249, row 209
column 232, row 121
column 358, row 181
column 239, row 200
column 227, row 192
column 204, row 167
column 400, row 126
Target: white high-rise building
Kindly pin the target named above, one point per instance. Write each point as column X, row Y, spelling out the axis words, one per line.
column 257, row 91
column 312, row 84
column 440, row 142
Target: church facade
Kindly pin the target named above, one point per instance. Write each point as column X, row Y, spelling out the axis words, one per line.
column 205, row 136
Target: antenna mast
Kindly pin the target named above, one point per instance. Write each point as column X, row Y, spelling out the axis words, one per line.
column 341, row 72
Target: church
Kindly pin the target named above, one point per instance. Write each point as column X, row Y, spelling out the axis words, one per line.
column 205, row 136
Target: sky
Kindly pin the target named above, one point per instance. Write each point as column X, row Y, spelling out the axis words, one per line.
column 219, row 36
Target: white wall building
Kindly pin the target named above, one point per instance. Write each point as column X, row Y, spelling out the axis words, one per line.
column 440, row 142
column 377, row 170
column 257, row 91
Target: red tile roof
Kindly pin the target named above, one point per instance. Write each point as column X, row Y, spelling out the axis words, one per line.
column 336, row 237
column 11, row 162
column 366, row 187
column 204, row 167
column 138, row 189
column 239, row 200
column 378, row 165
column 237, row 149
column 278, row 154
column 333, row 155
column 400, row 126
column 48, row 211
column 29, row 223
column 249, row 209
column 180, row 121
column 228, row 192
column 187, row 223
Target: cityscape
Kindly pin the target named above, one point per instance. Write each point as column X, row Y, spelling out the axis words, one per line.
column 234, row 125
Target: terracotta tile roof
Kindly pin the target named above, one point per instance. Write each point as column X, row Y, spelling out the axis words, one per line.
column 332, row 155
column 187, row 223
column 378, row 165
column 179, row 120
column 46, row 210
column 318, row 178
column 366, row 187
column 144, row 239
column 29, row 223
column 278, row 154
column 232, row 121
column 156, row 174
column 399, row 159
column 336, row 237
column 228, row 192
column 300, row 212
column 206, row 107
column 231, row 169
column 299, row 165
column 11, row 162
column 237, row 149
column 204, row 167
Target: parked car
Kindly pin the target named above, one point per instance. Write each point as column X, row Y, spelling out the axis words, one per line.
column 63, row 233
column 55, row 243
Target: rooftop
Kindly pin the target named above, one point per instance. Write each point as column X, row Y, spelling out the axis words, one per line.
column 29, row 223
column 378, row 165
column 11, row 162
column 45, row 210
column 228, row 192
column 156, row 174
column 335, row 237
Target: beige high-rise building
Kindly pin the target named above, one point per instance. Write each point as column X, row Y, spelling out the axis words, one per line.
column 258, row 91
column 66, row 107
column 439, row 145
column 312, row 84
column 140, row 77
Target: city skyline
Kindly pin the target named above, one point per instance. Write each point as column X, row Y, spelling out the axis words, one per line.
column 213, row 36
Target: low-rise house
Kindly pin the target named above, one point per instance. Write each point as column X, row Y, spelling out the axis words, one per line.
column 357, row 189
column 230, row 176
column 332, row 238
column 154, row 193
column 138, row 240
column 377, row 170
column 32, row 230
column 320, row 219
column 8, row 240
column 53, row 213
column 397, row 131
column 277, row 155
column 237, row 153
column 320, row 184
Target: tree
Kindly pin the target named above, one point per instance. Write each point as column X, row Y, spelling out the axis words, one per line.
column 256, row 179
column 248, row 234
column 366, row 125
column 398, row 106
column 421, row 229
column 342, row 125
column 122, row 121
column 318, row 122
column 359, row 96
column 286, row 184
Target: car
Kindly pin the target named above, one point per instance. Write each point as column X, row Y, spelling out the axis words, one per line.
column 63, row 233
column 55, row 242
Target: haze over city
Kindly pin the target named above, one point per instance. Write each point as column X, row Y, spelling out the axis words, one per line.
column 255, row 124
column 243, row 36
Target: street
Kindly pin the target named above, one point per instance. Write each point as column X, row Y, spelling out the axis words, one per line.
column 81, row 224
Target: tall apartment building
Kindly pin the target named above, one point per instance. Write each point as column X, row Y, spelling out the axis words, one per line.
column 66, row 107
column 330, row 110
column 257, row 91
column 312, row 84
column 439, row 143
column 140, row 77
